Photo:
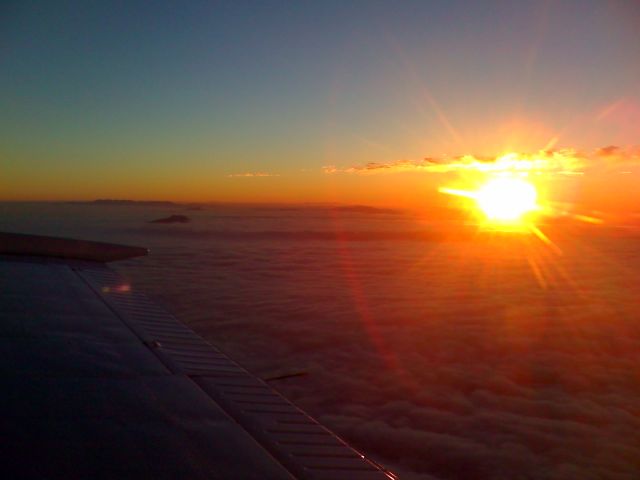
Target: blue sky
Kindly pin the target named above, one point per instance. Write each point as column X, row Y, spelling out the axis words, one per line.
column 103, row 88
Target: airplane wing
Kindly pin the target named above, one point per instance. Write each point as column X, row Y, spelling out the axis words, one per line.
column 99, row 382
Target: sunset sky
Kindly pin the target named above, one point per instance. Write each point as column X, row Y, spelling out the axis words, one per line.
column 290, row 101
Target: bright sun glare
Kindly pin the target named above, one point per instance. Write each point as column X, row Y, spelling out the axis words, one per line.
column 502, row 200
column 506, row 199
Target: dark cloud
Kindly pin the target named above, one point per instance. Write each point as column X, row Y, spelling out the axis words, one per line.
column 608, row 150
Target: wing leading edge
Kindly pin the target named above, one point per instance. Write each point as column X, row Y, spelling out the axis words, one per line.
column 39, row 245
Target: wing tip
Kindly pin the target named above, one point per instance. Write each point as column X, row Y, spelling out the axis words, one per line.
column 59, row 247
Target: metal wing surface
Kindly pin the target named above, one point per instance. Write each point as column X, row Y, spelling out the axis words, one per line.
column 99, row 382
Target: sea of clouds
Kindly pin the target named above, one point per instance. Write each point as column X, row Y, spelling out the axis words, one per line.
column 441, row 352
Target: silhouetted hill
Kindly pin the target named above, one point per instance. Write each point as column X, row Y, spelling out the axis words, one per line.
column 172, row 219
column 143, row 203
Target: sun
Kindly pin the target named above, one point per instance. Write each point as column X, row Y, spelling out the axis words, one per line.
column 506, row 199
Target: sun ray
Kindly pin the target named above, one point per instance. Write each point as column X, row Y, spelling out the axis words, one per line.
column 545, row 239
column 537, row 273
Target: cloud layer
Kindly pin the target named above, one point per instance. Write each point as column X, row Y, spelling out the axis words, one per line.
column 252, row 174
column 562, row 162
column 441, row 359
